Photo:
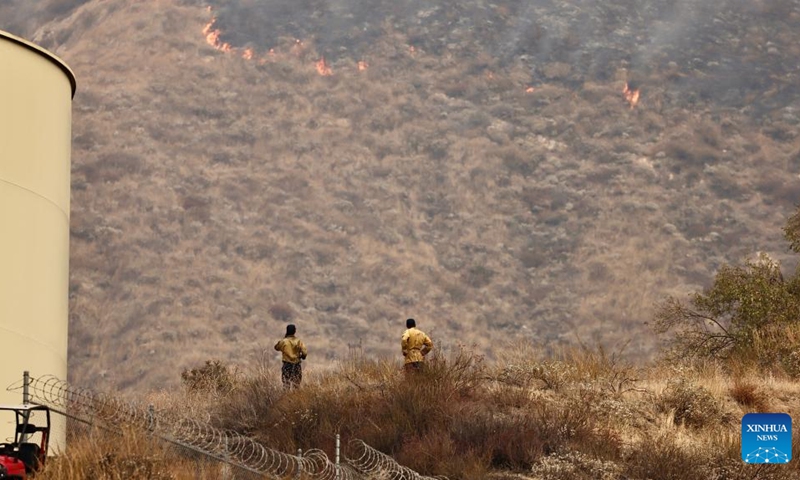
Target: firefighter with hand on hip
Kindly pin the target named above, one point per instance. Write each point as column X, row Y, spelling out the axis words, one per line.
column 293, row 351
column 415, row 345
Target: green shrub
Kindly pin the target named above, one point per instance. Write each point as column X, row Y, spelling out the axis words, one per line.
column 724, row 320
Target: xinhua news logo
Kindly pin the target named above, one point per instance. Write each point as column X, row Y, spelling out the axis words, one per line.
column 766, row 438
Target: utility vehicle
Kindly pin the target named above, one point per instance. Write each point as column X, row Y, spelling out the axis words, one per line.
column 26, row 453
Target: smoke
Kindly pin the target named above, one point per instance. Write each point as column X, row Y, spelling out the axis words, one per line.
column 16, row 17
column 719, row 50
column 24, row 17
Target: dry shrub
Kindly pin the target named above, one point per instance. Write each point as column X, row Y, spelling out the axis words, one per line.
column 518, row 374
column 125, row 455
column 510, row 397
column 599, row 272
column 780, row 132
column 506, row 441
column 749, row 395
column 523, row 366
column 284, row 420
column 517, row 439
column 556, row 70
column 726, row 185
column 419, row 402
column 553, row 374
column 776, row 349
column 197, row 207
column 708, row 133
column 573, row 465
column 545, row 197
column 776, row 188
column 281, row 311
column 478, row 276
column 662, row 457
column 129, row 467
column 691, row 404
column 436, row 452
column 593, row 93
column 518, row 161
column 533, row 258
column 113, row 167
column 723, row 461
column 606, row 371
column 690, row 152
column 214, row 377
column 243, row 410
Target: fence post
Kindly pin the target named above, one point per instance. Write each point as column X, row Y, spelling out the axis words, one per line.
column 151, row 417
column 338, row 449
column 299, row 472
column 227, row 472
column 26, row 381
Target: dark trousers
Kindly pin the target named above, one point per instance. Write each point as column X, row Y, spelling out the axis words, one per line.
column 291, row 374
column 413, row 367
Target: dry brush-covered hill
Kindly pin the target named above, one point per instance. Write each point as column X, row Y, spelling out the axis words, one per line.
column 474, row 165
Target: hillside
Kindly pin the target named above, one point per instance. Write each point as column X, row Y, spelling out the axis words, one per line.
column 480, row 171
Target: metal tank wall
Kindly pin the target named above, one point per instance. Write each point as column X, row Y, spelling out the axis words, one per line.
column 36, row 90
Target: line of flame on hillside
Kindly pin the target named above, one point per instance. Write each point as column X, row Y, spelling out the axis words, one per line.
column 631, row 95
column 212, row 36
column 323, row 68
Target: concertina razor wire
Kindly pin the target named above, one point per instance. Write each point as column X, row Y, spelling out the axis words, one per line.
column 361, row 460
column 379, row 465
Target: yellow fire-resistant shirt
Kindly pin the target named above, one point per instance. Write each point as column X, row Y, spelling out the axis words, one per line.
column 292, row 349
column 415, row 345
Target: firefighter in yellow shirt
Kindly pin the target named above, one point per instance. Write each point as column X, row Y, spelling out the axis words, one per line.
column 293, row 352
column 415, row 345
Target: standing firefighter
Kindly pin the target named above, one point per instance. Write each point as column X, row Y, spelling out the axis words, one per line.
column 293, row 352
column 415, row 345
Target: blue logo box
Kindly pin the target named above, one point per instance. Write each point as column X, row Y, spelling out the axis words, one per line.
column 766, row 438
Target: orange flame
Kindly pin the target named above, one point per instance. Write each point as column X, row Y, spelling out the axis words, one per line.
column 362, row 65
column 247, row 54
column 323, row 68
column 212, row 37
column 529, row 90
column 631, row 95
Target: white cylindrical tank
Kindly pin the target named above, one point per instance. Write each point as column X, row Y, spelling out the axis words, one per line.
column 36, row 90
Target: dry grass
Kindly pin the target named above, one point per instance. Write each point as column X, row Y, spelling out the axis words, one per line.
column 128, row 455
column 465, row 419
